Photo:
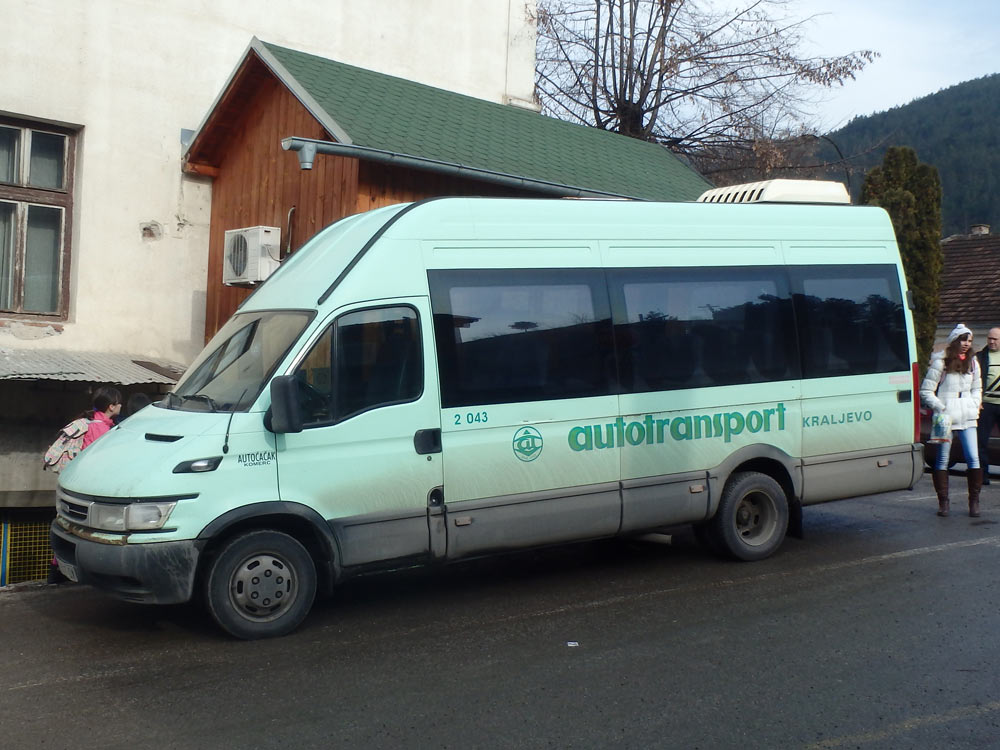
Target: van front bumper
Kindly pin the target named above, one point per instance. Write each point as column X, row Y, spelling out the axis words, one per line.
column 157, row 573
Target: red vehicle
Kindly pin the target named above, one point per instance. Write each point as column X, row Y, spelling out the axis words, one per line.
column 931, row 449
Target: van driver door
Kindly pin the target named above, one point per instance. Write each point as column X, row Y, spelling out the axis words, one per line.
column 368, row 459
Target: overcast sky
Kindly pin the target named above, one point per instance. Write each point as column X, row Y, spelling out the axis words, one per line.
column 925, row 46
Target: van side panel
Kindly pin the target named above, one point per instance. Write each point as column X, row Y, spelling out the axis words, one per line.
column 526, row 367
column 532, row 519
column 852, row 473
column 377, row 537
column 516, row 478
column 707, row 362
column 853, row 436
column 687, row 442
column 661, row 500
column 857, row 388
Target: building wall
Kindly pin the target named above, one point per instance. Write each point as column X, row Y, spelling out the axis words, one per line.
column 131, row 74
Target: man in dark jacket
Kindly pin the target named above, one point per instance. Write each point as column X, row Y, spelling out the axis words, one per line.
column 989, row 366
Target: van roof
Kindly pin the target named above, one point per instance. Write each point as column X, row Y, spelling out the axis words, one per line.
column 561, row 227
column 525, row 219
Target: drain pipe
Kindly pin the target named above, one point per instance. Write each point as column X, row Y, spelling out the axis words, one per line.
column 308, row 148
column 288, row 232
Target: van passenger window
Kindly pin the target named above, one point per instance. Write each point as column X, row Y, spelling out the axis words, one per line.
column 851, row 319
column 366, row 359
column 506, row 336
column 690, row 327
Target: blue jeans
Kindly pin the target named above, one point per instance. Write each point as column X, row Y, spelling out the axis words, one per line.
column 970, row 448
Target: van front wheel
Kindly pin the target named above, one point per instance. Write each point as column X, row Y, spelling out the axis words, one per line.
column 260, row 585
column 752, row 517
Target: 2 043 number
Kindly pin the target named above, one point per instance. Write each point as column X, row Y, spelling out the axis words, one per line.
column 472, row 417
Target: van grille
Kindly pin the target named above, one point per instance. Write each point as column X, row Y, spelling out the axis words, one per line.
column 77, row 511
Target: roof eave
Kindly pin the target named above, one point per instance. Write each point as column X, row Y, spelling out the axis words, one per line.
column 307, row 148
column 322, row 116
column 195, row 143
column 192, row 160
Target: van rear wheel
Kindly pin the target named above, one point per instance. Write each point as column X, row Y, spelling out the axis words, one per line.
column 752, row 517
column 260, row 585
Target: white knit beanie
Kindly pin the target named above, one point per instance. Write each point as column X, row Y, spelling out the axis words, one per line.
column 959, row 330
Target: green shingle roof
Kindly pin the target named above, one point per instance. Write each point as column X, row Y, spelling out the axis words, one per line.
column 392, row 114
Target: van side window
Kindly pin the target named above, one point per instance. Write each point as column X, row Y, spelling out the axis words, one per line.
column 691, row 327
column 851, row 319
column 366, row 359
column 507, row 336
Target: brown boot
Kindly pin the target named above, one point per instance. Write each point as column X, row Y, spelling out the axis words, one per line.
column 975, row 478
column 940, row 479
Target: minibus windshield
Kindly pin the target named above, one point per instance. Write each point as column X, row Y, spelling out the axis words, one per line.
column 232, row 370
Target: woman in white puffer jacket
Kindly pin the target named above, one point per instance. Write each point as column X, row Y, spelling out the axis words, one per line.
column 953, row 385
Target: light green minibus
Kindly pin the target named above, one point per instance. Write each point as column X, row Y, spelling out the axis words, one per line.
column 446, row 379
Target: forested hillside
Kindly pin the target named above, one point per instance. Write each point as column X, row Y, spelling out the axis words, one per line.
column 956, row 130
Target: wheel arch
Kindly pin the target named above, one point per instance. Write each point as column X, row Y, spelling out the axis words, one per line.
column 298, row 521
column 765, row 459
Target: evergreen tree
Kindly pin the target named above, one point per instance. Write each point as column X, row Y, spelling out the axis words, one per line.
column 911, row 194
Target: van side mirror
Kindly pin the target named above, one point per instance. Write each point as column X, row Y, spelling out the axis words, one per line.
column 285, row 414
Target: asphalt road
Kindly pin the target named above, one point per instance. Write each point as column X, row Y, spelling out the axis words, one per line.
column 878, row 630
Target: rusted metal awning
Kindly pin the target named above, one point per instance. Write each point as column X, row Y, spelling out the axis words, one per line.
column 93, row 367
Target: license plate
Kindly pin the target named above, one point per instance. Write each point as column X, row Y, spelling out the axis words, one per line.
column 69, row 571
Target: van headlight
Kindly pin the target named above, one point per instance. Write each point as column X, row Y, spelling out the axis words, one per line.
column 146, row 516
column 132, row 517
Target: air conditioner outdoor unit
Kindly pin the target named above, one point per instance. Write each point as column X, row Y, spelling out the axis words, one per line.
column 250, row 255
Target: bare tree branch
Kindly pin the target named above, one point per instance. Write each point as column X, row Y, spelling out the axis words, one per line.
column 701, row 77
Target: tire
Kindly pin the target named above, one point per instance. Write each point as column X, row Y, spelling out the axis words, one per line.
column 752, row 517
column 260, row 585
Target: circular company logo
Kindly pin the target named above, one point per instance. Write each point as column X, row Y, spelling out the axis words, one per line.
column 527, row 444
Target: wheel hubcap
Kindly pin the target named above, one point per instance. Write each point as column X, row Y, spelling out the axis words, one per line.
column 263, row 587
column 756, row 518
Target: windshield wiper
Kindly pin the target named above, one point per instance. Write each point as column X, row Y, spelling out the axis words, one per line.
column 204, row 397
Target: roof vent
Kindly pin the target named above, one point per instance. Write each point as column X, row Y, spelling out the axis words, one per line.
column 779, row 191
column 519, row 103
column 979, row 229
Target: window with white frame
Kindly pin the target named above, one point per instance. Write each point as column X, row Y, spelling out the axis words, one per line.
column 36, row 178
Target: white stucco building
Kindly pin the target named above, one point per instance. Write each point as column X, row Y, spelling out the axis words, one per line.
column 124, row 78
column 102, row 237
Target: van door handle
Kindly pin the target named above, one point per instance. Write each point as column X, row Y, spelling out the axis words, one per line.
column 427, row 441
column 904, row 397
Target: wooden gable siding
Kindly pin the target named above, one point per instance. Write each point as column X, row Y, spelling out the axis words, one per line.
column 383, row 185
column 258, row 183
